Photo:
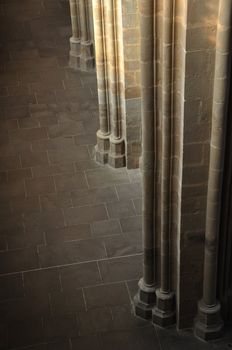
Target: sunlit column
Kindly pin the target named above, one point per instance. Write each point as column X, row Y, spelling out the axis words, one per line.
column 113, row 18
column 103, row 134
column 109, row 62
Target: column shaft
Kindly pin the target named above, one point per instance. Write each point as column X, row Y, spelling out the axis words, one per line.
column 209, row 324
column 166, row 144
column 84, row 19
column 74, row 19
column 111, row 44
column 102, row 147
column 114, row 65
column 145, row 299
column 148, row 141
column 164, row 314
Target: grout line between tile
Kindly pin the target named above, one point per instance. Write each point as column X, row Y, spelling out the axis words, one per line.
column 71, row 264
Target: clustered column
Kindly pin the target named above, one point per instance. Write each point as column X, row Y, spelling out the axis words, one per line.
column 209, row 324
column 81, row 42
column 155, row 298
column 110, row 146
column 145, row 299
column 163, row 313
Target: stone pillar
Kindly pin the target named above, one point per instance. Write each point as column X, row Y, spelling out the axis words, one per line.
column 109, row 63
column 103, row 134
column 156, row 162
column 74, row 55
column 209, row 324
column 145, row 299
column 163, row 313
column 81, row 42
column 115, row 64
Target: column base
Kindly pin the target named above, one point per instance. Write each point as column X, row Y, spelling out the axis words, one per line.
column 87, row 64
column 144, row 301
column 102, row 148
column 117, row 157
column 208, row 324
column 163, row 313
column 87, row 56
column 74, row 54
column 81, row 56
column 74, row 61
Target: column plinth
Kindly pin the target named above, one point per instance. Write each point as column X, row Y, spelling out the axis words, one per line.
column 86, row 56
column 163, row 314
column 102, row 147
column 117, row 157
column 144, row 301
column 208, row 324
column 74, row 55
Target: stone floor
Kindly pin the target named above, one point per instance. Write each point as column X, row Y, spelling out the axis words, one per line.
column 70, row 230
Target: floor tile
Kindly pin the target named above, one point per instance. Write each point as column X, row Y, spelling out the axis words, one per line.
column 106, row 228
column 105, row 177
column 41, row 281
column 106, row 295
column 80, row 275
column 71, row 252
column 141, row 338
column 119, row 269
column 65, row 303
column 69, row 233
column 86, row 214
column 93, row 196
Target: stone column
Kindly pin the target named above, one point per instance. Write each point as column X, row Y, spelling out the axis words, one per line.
column 163, row 313
column 109, row 63
column 86, row 54
column 103, row 134
column 81, row 42
column 145, row 299
column 74, row 55
column 209, row 324
column 113, row 14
